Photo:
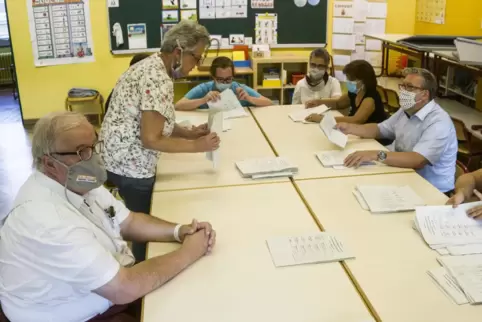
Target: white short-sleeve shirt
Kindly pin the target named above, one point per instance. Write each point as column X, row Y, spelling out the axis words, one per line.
column 304, row 92
column 52, row 256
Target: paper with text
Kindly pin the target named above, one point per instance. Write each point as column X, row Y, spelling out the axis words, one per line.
column 336, row 137
column 448, row 285
column 215, row 124
column 301, row 115
column 256, row 168
column 235, row 113
column 385, row 199
column 334, row 157
column 314, row 248
column 467, row 272
column 227, row 101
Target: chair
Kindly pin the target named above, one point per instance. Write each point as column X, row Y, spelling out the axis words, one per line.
column 90, row 105
column 460, row 169
column 469, row 147
column 393, row 103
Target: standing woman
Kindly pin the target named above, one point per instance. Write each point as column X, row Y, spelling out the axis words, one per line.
column 363, row 99
column 318, row 87
column 140, row 122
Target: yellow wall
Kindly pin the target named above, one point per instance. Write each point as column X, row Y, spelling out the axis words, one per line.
column 43, row 90
column 462, row 17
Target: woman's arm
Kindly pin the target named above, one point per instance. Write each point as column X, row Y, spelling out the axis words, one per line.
column 362, row 115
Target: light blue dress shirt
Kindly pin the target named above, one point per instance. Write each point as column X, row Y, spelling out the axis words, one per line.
column 201, row 90
column 431, row 133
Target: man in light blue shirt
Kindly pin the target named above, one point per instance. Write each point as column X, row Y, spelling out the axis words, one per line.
column 222, row 72
column 423, row 133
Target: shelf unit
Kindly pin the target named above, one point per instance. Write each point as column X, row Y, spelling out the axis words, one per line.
column 290, row 63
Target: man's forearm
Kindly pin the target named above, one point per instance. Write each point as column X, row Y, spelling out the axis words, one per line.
column 365, row 131
column 409, row 160
column 189, row 105
column 144, row 228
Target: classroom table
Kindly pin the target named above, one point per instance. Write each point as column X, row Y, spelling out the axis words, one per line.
column 299, row 142
column 193, row 170
column 391, row 258
column 469, row 116
column 238, row 281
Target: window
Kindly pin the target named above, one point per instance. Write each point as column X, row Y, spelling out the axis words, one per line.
column 3, row 21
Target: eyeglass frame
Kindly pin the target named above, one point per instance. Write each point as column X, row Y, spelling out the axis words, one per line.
column 227, row 80
column 97, row 148
column 410, row 88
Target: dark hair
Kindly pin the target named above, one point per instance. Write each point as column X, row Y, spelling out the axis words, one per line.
column 325, row 55
column 221, row 62
column 363, row 71
column 137, row 58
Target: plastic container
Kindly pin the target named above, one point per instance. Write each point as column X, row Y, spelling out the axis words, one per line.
column 296, row 77
column 242, row 63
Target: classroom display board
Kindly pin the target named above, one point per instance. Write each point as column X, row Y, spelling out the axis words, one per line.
column 136, row 25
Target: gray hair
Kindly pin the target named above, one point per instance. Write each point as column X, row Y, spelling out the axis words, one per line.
column 46, row 131
column 321, row 53
column 429, row 80
column 188, row 33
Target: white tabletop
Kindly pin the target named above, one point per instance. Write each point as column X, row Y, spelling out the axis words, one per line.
column 469, row 116
column 391, row 259
column 238, row 281
column 193, row 170
column 390, row 38
column 299, row 142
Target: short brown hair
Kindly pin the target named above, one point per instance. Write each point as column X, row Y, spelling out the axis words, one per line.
column 363, row 71
column 221, row 62
column 429, row 80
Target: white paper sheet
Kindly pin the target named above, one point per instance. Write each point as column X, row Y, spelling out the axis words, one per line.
column 262, row 4
column 235, row 113
column 113, row 3
column 314, row 248
column 301, row 115
column 377, row 10
column 464, row 250
column 137, row 35
column 264, row 166
column 333, row 157
column 360, row 32
column 343, row 9
column 227, row 101
column 207, row 13
column 373, row 44
column 215, row 124
column 359, row 53
column 239, row 12
column 343, row 25
column 341, row 60
column 361, row 10
column 223, row 12
column 388, row 199
column 467, row 272
column 188, row 4
column 375, row 26
column 343, row 42
column 374, row 58
column 336, row 137
column 448, row 285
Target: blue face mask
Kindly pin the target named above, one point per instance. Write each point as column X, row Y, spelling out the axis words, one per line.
column 222, row 87
column 351, row 86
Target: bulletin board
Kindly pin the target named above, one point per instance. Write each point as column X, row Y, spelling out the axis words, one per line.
column 431, row 11
column 304, row 26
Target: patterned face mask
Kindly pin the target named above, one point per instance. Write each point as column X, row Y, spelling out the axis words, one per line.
column 407, row 99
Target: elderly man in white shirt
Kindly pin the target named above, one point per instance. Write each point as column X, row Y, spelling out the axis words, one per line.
column 62, row 252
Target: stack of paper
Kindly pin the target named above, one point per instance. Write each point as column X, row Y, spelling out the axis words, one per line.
column 385, row 199
column 215, row 124
column 336, row 159
column 301, row 115
column 450, row 231
column 466, row 273
column 266, row 168
column 306, row 249
column 448, row 285
column 227, row 101
column 336, row 137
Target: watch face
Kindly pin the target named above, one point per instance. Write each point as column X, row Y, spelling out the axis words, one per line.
column 382, row 155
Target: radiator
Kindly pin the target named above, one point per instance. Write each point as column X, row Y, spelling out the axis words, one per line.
column 5, row 69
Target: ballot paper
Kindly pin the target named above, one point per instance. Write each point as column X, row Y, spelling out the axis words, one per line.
column 215, row 124
column 301, row 115
column 334, row 157
column 387, row 199
column 448, row 285
column 445, row 226
column 467, row 272
column 235, row 113
column 266, row 167
column 327, row 125
column 314, row 248
column 227, row 101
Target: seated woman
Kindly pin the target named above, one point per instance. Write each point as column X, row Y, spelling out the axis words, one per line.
column 318, row 87
column 222, row 72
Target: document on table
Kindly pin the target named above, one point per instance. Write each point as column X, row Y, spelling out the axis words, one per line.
column 467, row 272
column 301, row 115
column 386, row 199
column 266, row 167
column 334, row 157
column 227, row 101
column 314, row 248
column 448, row 285
column 235, row 113
column 215, row 124
column 336, row 137
column 444, row 226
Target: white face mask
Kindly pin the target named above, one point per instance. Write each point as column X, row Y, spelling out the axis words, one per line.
column 316, row 74
column 407, row 99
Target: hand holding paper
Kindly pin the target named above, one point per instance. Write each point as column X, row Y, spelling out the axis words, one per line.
column 215, row 124
column 328, row 126
column 227, row 101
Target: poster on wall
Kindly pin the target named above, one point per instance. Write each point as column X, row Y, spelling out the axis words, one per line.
column 60, row 32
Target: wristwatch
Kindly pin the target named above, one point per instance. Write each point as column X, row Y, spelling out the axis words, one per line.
column 382, row 156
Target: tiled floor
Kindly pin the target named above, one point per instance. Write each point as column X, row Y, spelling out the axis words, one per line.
column 15, row 158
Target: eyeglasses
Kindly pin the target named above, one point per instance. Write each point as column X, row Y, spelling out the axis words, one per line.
column 85, row 153
column 199, row 59
column 227, row 80
column 319, row 66
column 408, row 87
